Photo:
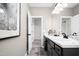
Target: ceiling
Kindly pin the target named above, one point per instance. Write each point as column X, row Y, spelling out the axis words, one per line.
column 70, row 5
column 41, row 4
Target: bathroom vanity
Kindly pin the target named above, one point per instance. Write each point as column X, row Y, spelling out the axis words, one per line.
column 59, row 46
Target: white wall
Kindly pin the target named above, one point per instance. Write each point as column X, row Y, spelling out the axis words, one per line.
column 16, row 46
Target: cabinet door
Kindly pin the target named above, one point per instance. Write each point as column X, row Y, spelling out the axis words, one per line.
column 52, row 49
column 57, row 49
column 45, row 43
column 51, row 43
column 49, row 50
column 54, row 53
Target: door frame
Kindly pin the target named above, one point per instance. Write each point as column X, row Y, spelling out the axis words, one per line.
column 27, row 32
column 41, row 27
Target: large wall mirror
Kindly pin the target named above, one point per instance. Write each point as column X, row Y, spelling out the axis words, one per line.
column 9, row 20
column 70, row 26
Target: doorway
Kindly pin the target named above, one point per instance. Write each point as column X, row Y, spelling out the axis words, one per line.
column 36, row 41
column 36, row 37
column 37, row 28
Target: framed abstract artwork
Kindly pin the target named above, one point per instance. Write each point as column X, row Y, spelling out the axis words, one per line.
column 10, row 20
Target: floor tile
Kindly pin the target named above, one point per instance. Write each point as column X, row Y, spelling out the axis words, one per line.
column 36, row 49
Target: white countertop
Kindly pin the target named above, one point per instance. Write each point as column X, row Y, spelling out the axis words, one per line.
column 64, row 43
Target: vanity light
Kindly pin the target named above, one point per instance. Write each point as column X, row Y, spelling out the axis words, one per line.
column 1, row 10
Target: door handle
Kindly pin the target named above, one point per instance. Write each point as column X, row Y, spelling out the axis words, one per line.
column 28, row 34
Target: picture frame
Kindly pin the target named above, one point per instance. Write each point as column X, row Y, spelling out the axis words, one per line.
column 11, row 20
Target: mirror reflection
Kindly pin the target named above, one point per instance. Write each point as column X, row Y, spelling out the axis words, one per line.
column 65, row 20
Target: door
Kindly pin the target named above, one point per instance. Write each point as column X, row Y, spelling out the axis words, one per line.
column 29, row 33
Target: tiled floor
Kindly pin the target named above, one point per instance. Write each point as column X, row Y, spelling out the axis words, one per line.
column 36, row 49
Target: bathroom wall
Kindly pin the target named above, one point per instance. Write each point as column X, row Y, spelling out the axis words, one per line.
column 16, row 46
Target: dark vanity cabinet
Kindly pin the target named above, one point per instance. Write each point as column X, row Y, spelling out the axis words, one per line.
column 54, row 49
column 50, row 47
column 49, row 50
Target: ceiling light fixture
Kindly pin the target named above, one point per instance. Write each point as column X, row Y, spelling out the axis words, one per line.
column 59, row 7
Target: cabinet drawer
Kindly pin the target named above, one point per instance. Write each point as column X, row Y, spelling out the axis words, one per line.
column 58, row 49
column 51, row 43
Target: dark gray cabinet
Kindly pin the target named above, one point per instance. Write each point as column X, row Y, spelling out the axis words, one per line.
column 54, row 53
column 51, row 50
column 54, row 49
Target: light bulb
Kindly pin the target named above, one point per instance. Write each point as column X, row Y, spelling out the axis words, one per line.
column 61, row 9
column 1, row 10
